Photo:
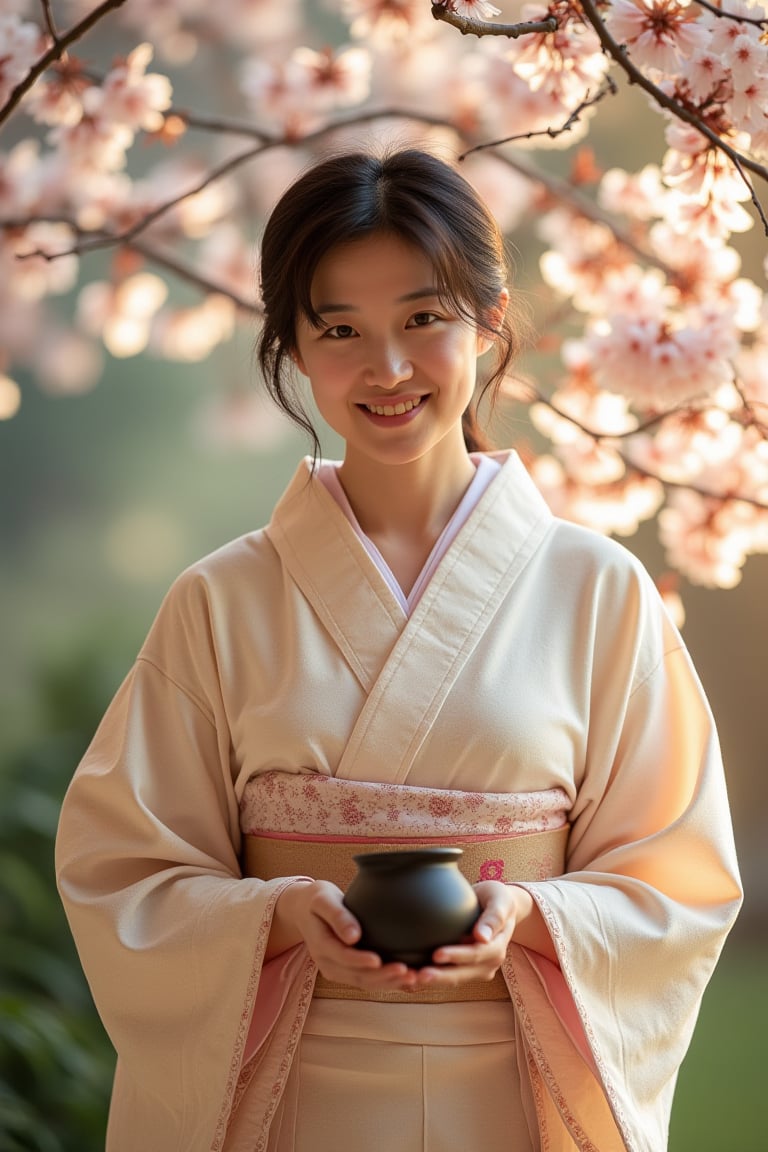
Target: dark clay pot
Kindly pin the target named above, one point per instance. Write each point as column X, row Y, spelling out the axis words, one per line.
column 410, row 903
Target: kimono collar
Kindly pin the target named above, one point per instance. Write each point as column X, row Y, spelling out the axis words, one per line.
column 324, row 556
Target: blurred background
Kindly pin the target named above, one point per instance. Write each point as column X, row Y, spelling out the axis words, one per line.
column 104, row 497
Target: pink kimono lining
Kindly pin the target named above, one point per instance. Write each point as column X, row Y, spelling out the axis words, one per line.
column 277, row 804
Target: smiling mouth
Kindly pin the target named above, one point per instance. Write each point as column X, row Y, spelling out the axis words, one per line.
column 398, row 409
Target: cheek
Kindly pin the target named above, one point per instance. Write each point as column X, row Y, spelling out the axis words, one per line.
column 328, row 382
column 458, row 353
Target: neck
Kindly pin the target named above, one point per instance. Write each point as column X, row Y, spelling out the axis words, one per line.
column 412, row 501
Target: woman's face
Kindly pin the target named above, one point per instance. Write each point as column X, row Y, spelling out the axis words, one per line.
column 393, row 367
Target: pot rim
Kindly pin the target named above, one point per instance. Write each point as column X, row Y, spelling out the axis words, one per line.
column 444, row 854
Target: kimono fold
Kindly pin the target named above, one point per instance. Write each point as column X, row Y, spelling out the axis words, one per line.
column 539, row 661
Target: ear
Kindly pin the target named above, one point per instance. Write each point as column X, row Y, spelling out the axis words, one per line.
column 294, row 355
column 486, row 339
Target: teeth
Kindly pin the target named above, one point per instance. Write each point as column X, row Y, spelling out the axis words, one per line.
column 393, row 409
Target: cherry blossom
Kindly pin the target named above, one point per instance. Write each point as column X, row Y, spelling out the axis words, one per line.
column 475, row 9
column 609, row 508
column 705, row 74
column 10, row 397
column 659, row 33
column 387, row 21
column 581, row 257
column 121, row 314
column 57, row 96
column 647, row 360
column 568, row 62
column 687, row 443
column 510, row 105
column 35, row 276
column 190, row 334
column 279, row 91
column 635, row 194
column 67, row 363
column 724, row 33
column 647, row 390
column 230, row 262
column 20, row 45
column 335, row 79
column 132, row 97
column 708, row 540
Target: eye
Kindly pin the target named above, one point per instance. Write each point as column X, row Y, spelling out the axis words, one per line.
column 422, row 319
column 339, row 332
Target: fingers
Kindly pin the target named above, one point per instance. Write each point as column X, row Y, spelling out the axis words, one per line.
column 480, row 957
column 498, row 916
column 330, row 932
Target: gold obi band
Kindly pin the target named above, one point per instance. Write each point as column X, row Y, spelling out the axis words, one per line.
column 530, row 856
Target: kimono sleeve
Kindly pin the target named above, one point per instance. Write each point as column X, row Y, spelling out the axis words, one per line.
column 650, row 891
column 170, row 935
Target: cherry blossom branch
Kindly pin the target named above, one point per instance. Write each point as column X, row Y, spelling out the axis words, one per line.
column 725, row 15
column 753, row 420
column 608, row 88
column 565, row 192
column 611, row 437
column 49, row 21
column 441, row 10
column 558, row 188
column 191, row 276
column 55, row 52
column 219, row 124
column 154, row 214
column 154, row 255
column 535, row 396
column 619, row 54
column 266, row 143
column 688, row 486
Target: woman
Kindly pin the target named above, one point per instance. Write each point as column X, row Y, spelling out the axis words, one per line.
column 414, row 650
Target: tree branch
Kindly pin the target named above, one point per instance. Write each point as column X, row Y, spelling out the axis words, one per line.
column 558, row 188
column 724, row 15
column 49, row 21
column 468, row 27
column 219, row 124
column 619, row 54
column 602, row 437
column 155, row 255
column 609, row 87
column 55, row 52
column 561, row 190
column 752, row 419
column 688, row 486
column 192, row 276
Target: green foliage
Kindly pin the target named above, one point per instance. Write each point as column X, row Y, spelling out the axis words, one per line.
column 55, row 1060
column 722, row 1081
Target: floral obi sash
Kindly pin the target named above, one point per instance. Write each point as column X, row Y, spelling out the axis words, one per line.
column 300, row 824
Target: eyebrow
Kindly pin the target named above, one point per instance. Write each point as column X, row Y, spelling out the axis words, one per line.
column 419, row 294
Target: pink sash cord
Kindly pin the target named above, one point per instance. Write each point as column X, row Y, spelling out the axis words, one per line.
column 310, row 806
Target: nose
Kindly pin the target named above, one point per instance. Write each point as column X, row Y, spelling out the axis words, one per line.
column 387, row 365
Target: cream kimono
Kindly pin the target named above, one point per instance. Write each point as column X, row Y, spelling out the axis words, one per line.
column 539, row 662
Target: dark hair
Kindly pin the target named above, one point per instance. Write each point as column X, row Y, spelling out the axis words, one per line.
column 410, row 194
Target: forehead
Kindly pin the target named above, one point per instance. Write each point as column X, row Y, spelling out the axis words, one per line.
column 377, row 264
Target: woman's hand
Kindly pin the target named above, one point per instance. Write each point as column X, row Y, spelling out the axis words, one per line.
column 508, row 913
column 313, row 913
